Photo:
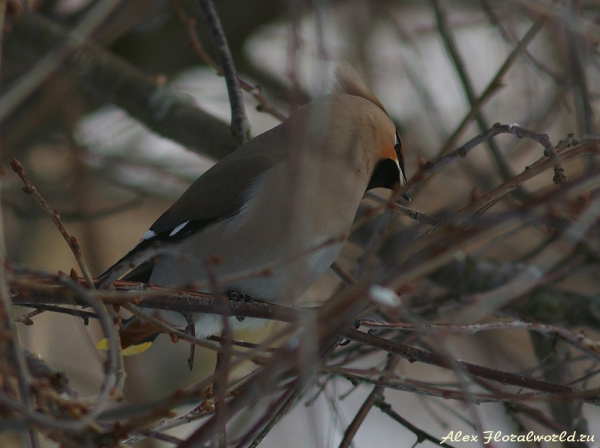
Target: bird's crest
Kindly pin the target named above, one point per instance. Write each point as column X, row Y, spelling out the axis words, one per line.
column 348, row 81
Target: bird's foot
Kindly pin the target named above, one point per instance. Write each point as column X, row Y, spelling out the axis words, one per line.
column 238, row 296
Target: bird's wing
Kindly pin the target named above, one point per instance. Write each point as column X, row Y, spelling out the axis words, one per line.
column 218, row 194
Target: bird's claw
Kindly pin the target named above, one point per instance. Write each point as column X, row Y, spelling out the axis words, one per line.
column 238, row 296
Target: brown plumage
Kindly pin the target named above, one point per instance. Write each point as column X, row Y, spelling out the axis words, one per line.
column 275, row 199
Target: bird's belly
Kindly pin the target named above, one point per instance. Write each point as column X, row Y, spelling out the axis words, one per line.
column 238, row 266
column 248, row 255
column 287, row 280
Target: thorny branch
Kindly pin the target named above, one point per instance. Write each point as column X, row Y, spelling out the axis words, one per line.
column 431, row 168
column 71, row 240
column 421, row 434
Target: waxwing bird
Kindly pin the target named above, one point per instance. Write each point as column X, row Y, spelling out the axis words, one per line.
column 274, row 202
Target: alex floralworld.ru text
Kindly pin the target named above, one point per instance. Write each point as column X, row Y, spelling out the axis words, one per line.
column 497, row 436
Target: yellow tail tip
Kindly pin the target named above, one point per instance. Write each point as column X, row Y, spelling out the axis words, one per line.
column 137, row 349
column 129, row 351
column 103, row 344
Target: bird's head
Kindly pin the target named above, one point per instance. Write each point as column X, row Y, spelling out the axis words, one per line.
column 374, row 133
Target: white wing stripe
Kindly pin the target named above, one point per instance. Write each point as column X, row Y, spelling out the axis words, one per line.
column 178, row 228
column 149, row 234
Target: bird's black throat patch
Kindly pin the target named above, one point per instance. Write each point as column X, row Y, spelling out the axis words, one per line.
column 385, row 175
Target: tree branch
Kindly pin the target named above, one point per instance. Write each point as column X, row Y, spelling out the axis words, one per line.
column 239, row 120
column 112, row 79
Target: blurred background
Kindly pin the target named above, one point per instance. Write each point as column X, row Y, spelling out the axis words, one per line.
column 86, row 124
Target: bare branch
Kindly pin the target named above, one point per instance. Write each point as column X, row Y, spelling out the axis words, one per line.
column 52, row 62
column 494, row 84
column 72, row 241
column 256, row 91
column 239, row 121
column 114, row 80
column 413, row 355
column 460, row 66
column 375, row 395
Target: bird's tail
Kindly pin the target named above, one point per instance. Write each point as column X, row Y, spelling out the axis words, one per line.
column 136, row 336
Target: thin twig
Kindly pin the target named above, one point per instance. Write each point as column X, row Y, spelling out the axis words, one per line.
column 551, row 330
column 402, row 210
column 374, row 396
column 414, row 354
column 111, row 79
column 26, row 318
column 130, row 262
column 460, row 66
column 584, row 110
column 239, row 120
column 271, row 416
column 71, row 240
column 256, row 91
column 114, row 375
column 422, row 435
column 532, row 171
column 191, row 329
column 48, row 65
column 549, row 151
column 426, row 389
column 165, row 328
column 195, row 414
column 494, row 84
column 10, row 346
column 223, row 364
column 374, row 242
column 198, row 389
column 512, row 40
column 342, row 273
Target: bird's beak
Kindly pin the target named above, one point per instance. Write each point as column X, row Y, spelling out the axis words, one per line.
column 402, row 184
column 405, row 195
